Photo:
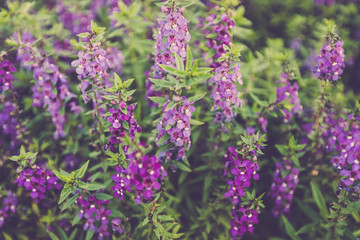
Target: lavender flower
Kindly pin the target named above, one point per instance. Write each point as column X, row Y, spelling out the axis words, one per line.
column 175, row 124
column 330, row 63
column 242, row 171
column 144, row 174
column 92, row 64
column 287, row 94
column 116, row 225
column 94, row 210
column 245, row 222
column 74, row 20
column 8, row 206
column 283, row 187
column 347, row 161
column 171, row 39
column 49, row 78
column 38, row 180
column 6, row 68
column 9, row 125
column 122, row 123
column 225, row 93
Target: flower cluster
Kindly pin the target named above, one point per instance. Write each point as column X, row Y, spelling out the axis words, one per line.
column 123, row 123
column 334, row 131
column 225, row 93
column 93, row 64
column 221, row 27
column 6, row 68
column 94, row 210
column 48, row 78
column 283, row 187
column 175, row 125
column 241, row 165
column 8, row 206
column 242, row 170
column 245, row 222
column 145, row 174
column 171, row 39
column 116, row 225
column 38, row 180
column 347, row 162
column 330, row 63
column 287, row 94
column 75, row 21
column 9, row 124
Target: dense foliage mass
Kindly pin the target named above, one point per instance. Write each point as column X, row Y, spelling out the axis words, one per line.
column 179, row 119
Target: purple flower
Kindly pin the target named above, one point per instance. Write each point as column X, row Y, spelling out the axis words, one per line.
column 242, row 170
column 283, row 187
column 172, row 38
column 144, row 174
column 7, row 207
column 330, row 63
column 175, row 123
column 94, row 210
column 245, row 219
column 287, row 94
column 6, row 68
column 38, row 180
column 122, row 123
column 116, row 225
column 51, row 87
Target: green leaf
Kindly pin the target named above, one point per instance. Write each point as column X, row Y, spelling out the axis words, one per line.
column 83, row 35
column 295, row 160
column 103, row 196
column 171, row 105
column 282, row 149
column 163, row 139
column 319, row 200
column 182, row 166
column 91, row 186
column 173, row 235
column 7, row 237
column 159, row 100
column 197, row 97
column 64, row 193
column 194, row 66
column 14, row 158
column 179, row 62
column 146, row 221
column 173, row 71
column 128, row 82
column 258, row 101
column 52, row 236
column 289, row 228
column 81, row 172
column 117, row 82
column 69, row 202
column 164, row 218
column 162, row 83
column 22, row 150
column 73, row 234
column 61, row 176
column 89, row 235
column 76, row 219
column 195, row 122
column 189, row 58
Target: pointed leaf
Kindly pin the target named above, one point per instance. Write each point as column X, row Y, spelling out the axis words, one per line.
column 189, row 58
